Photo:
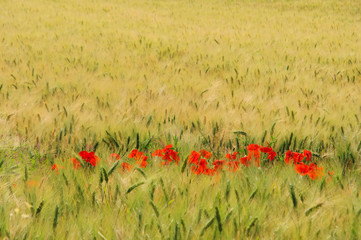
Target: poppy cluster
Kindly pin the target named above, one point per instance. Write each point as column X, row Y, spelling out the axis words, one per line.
column 297, row 157
column 233, row 163
column 167, row 154
column 254, row 152
column 199, row 161
column 126, row 167
column 90, row 158
column 201, row 164
column 140, row 158
column 312, row 170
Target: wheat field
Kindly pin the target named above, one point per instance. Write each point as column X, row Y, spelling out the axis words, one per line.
column 113, row 75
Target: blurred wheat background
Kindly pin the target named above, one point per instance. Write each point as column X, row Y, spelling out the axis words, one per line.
column 209, row 74
column 80, row 68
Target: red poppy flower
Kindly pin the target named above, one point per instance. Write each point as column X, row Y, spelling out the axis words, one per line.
column 297, row 157
column 194, row 158
column 233, row 165
column 200, row 164
column 218, row 164
column 254, row 153
column 167, row 154
column 253, row 147
column 133, row 153
column 315, row 171
column 143, row 163
column 86, row 155
column 266, row 149
column 302, row 168
column 55, row 168
column 288, row 156
column 157, row 153
column 170, row 155
column 231, row 157
column 271, row 154
column 89, row 157
column 210, row 172
column 205, row 154
column 126, row 167
column 307, row 154
column 139, row 157
column 201, row 168
column 245, row 161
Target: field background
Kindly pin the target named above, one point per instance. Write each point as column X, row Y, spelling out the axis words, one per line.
column 98, row 75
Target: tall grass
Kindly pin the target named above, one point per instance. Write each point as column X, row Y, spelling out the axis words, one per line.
column 111, row 76
column 248, row 204
column 72, row 70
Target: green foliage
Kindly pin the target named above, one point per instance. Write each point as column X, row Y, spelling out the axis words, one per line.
column 293, row 195
column 248, row 203
column 134, row 187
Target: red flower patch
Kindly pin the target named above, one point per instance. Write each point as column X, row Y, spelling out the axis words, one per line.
column 126, row 167
column 167, row 154
column 55, row 168
column 90, row 157
column 140, row 158
column 253, row 153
